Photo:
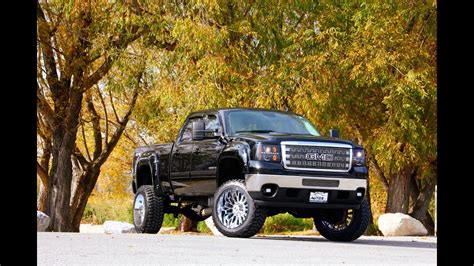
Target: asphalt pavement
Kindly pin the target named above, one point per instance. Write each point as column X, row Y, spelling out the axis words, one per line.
column 168, row 249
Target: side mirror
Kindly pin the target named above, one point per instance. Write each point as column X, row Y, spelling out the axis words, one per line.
column 334, row 133
column 198, row 130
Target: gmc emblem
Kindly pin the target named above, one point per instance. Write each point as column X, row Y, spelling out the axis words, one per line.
column 319, row 157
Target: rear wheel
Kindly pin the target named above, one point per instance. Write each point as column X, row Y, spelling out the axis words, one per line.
column 344, row 225
column 147, row 211
column 235, row 214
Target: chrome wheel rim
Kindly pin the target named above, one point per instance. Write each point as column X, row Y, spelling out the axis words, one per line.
column 349, row 217
column 232, row 208
column 139, row 210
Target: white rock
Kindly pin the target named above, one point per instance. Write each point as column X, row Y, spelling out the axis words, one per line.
column 91, row 228
column 114, row 227
column 399, row 224
column 210, row 224
column 42, row 221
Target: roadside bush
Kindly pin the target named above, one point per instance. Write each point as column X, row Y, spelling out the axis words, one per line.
column 285, row 222
column 103, row 207
column 170, row 221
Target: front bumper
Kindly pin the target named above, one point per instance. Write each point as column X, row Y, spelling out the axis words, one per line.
column 292, row 191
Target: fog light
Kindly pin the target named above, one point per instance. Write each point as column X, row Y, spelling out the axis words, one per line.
column 269, row 190
column 360, row 192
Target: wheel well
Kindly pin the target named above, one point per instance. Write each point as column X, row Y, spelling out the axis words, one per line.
column 143, row 176
column 229, row 168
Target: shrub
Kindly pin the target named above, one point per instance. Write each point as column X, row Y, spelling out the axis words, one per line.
column 285, row 222
column 102, row 208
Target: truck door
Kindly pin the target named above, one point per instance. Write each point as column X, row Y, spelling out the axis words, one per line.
column 204, row 159
column 181, row 154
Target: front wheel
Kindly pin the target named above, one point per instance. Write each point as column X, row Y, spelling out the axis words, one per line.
column 147, row 211
column 235, row 214
column 344, row 225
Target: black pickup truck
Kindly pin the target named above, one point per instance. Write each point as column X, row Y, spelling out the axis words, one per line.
column 242, row 165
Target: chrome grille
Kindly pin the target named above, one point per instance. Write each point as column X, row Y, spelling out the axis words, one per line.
column 316, row 156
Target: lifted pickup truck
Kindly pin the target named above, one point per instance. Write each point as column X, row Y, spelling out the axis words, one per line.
column 242, row 165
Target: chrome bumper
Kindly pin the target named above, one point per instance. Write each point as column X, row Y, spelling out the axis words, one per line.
column 254, row 182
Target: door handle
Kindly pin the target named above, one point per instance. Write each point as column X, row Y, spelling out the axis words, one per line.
column 196, row 151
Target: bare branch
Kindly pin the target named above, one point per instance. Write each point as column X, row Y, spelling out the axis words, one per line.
column 85, row 142
column 130, row 138
column 106, row 116
column 80, row 158
column 98, row 74
column 144, row 141
column 113, row 107
column 95, row 125
column 122, row 124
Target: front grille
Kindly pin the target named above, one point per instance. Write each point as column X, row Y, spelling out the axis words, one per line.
column 317, row 156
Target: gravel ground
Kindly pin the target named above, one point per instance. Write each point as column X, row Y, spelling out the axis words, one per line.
column 139, row 249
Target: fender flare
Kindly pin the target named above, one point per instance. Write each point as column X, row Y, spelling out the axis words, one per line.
column 152, row 161
column 237, row 150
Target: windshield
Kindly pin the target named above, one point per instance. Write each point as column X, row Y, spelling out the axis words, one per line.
column 240, row 121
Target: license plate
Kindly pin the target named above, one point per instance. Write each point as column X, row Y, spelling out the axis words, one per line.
column 320, row 197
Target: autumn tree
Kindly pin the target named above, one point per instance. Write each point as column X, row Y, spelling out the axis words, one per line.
column 367, row 68
column 86, row 51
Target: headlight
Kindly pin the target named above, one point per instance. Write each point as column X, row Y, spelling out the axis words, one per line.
column 268, row 153
column 358, row 157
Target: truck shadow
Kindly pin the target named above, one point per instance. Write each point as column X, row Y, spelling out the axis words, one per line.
column 364, row 241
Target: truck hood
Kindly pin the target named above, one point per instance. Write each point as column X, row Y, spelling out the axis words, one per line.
column 275, row 137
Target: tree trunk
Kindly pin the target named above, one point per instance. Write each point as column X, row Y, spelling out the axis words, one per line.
column 421, row 205
column 423, row 200
column 428, row 222
column 64, row 142
column 398, row 193
column 417, row 201
column 60, row 181
column 187, row 225
column 83, row 189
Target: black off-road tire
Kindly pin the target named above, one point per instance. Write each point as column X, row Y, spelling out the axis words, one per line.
column 154, row 206
column 356, row 228
column 255, row 218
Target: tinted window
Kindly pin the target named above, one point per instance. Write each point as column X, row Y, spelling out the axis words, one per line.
column 212, row 123
column 239, row 121
column 188, row 130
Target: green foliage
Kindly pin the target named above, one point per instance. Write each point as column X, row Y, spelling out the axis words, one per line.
column 202, row 227
column 106, row 208
column 285, row 222
column 170, row 221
